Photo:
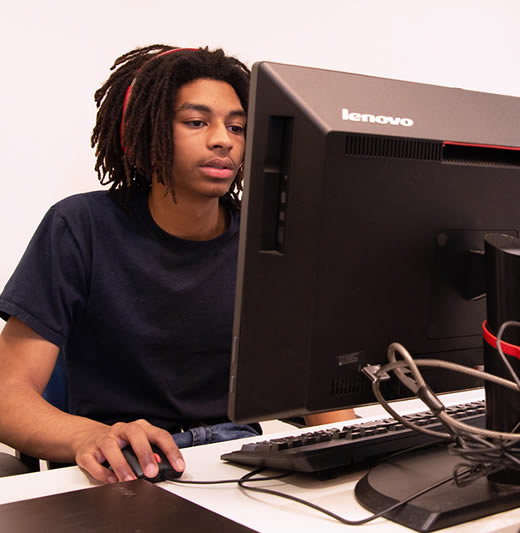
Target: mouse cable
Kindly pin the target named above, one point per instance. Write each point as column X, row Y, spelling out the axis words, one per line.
column 248, row 478
column 224, row 481
column 245, row 479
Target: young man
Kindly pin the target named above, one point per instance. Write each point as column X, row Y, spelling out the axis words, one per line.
column 134, row 287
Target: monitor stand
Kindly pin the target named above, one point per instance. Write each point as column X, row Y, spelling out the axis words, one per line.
column 399, row 477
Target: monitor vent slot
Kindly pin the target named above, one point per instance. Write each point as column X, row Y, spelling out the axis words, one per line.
column 491, row 156
column 394, row 147
column 349, row 385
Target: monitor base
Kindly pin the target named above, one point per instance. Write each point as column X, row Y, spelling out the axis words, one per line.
column 447, row 505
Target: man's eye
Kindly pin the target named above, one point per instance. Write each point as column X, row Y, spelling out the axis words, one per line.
column 195, row 123
column 235, row 128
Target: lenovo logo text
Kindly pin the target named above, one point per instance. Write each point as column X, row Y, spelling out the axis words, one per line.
column 377, row 119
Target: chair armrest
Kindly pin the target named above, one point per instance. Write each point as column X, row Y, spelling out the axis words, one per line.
column 11, row 465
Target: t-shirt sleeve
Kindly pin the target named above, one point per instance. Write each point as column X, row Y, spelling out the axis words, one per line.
column 49, row 287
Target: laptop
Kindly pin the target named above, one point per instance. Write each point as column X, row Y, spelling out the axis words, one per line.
column 132, row 506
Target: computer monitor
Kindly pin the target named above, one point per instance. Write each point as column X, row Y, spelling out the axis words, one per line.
column 365, row 206
column 366, row 202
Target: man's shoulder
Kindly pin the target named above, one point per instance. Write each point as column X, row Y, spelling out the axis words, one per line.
column 87, row 212
column 88, row 207
column 84, row 201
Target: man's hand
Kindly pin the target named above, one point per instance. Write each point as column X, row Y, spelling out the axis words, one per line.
column 104, row 444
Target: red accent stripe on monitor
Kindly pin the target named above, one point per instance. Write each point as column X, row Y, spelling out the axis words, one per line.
column 509, row 349
column 472, row 145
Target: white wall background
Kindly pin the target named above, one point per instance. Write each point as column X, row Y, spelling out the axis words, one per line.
column 56, row 53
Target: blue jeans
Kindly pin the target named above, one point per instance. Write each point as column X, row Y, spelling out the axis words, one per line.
column 216, row 433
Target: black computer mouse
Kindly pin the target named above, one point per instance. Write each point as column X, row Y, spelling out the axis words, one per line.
column 166, row 470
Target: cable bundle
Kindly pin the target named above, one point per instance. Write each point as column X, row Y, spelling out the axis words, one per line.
column 486, row 451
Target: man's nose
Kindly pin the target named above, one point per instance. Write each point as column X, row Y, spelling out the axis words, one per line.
column 219, row 137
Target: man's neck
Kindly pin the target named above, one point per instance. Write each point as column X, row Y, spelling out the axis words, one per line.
column 187, row 218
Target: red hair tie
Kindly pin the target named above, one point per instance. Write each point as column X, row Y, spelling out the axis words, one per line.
column 131, row 86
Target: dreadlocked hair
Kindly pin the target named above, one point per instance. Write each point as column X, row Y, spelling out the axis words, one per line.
column 146, row 131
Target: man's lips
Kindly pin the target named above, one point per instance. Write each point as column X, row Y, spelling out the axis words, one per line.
column 222, row 168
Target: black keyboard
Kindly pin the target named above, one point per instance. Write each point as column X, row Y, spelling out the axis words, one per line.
column 330, row 450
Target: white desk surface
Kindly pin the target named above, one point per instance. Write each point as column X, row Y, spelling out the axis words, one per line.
column 263, row 513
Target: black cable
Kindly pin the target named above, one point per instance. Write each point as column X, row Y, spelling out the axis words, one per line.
column 337, row 517
column 248, row 478
column 224, row 481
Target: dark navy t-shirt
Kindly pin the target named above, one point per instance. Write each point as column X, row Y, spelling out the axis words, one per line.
column 142, row 318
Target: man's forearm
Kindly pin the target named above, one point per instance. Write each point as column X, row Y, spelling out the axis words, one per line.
column 30, row 424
